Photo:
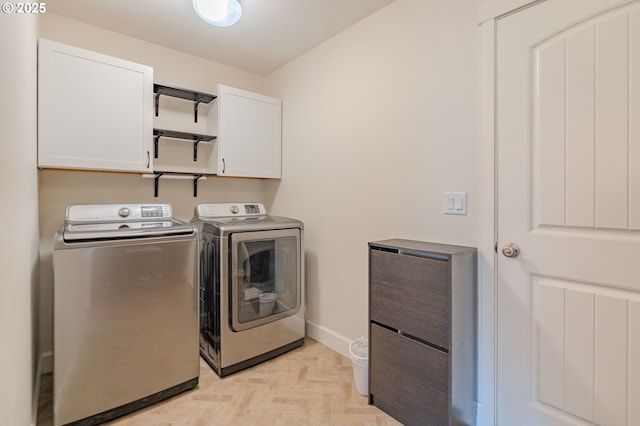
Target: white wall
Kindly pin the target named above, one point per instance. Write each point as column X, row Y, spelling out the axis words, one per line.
column 59, row 188
column 378, row 123
column 18, row 217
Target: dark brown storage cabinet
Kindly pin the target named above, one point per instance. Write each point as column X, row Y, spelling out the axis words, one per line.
column 422, row 320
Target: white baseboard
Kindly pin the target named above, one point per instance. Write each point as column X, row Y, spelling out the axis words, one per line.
column 329, row 338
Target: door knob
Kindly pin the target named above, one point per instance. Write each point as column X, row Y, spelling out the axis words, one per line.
column 511, row 250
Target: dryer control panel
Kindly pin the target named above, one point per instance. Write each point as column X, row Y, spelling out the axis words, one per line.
column 230, row 209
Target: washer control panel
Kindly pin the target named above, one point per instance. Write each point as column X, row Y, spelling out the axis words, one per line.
column 117, row 212
column 153, row 211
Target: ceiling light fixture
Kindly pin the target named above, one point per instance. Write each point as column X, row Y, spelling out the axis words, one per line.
column 221, row 13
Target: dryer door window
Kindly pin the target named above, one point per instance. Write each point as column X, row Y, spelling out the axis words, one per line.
column 265, row 276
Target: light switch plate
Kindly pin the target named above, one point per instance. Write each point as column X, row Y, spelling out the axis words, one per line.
column 455, row 203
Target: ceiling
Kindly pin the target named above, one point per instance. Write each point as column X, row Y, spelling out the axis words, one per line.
column 270, row 33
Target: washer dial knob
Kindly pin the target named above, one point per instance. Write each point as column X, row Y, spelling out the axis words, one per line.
column 124, row 212
column 235, row 209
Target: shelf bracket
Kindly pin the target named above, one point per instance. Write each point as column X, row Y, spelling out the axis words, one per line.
column 158, row 93
column 196, row 141
column 192, row 137
column 193, row 177
column 195, row 184
column 156, row 178
column 155, row 145
column 176, row 92
column 195, row 108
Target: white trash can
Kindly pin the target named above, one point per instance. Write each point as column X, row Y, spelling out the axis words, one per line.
column 359, row 350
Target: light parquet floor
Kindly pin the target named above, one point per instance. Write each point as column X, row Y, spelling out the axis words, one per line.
column 311, row 385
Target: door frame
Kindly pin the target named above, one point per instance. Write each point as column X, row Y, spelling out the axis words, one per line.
column 489, row 11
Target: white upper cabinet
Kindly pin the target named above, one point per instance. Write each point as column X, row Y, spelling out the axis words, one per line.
column 249, row 134
column 95, row 112
column 237, row 133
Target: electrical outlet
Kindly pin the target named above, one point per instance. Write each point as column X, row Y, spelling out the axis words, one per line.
column 455, row 203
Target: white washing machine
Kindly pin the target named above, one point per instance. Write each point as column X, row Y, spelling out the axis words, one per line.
column 251, row 285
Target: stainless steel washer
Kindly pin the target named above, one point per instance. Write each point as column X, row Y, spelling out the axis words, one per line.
column 125, row 310
column 251, row 285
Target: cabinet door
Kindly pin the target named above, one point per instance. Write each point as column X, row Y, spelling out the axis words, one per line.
column 94, row 111
column 404, row 288
column 408, row 380
column 249, row 134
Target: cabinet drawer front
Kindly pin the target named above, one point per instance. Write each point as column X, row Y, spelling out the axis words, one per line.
column 408, row 380
column 411, row 294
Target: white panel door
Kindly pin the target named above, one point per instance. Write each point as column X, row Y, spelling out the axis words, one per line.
column 568, row 165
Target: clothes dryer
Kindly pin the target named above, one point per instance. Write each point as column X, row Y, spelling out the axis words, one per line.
column 251, row 284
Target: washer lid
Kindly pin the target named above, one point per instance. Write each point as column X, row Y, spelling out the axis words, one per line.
column 123, row 230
